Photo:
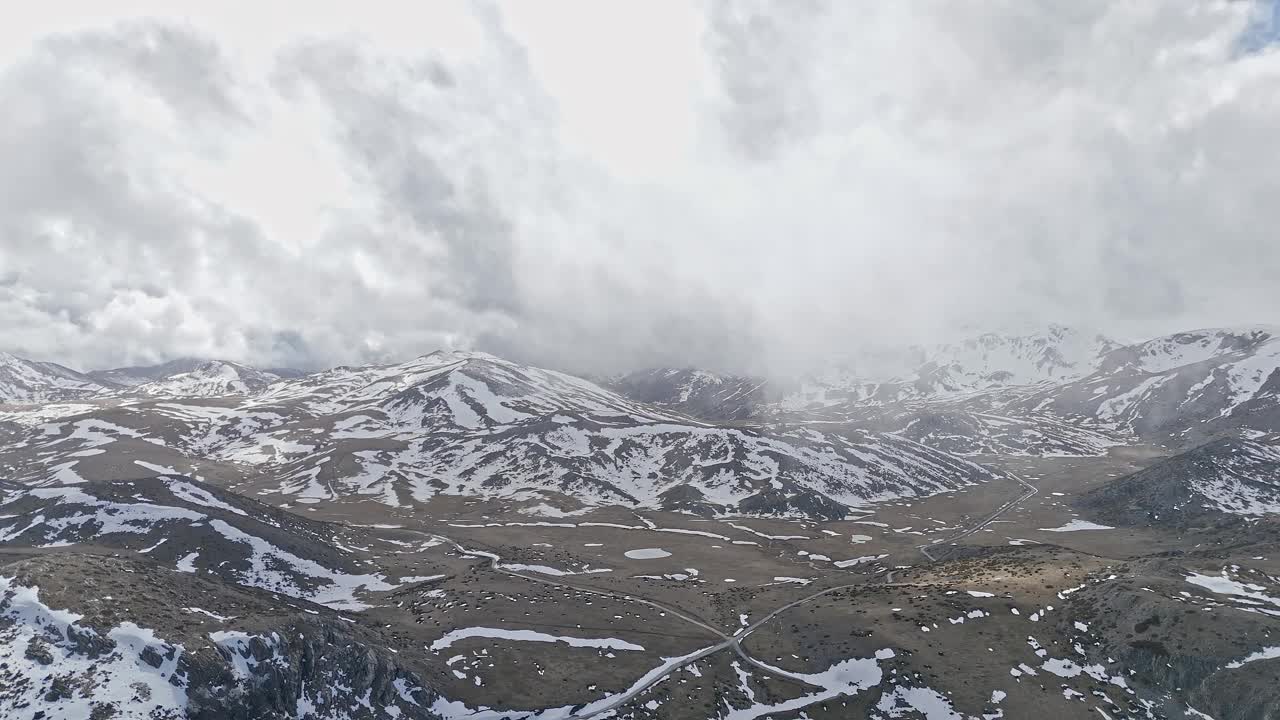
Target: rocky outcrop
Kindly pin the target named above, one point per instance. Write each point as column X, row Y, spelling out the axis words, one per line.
column 1221, row 483
column 183, row 646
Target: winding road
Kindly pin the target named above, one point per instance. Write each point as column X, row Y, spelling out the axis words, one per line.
column 727, row 641
column 1030, row 490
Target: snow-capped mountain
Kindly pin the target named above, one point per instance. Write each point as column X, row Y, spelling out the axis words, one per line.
column 702, row 394
column 1059, row 392
column 209, row 378
column 986, row 362
column 138, row 374
column 1182, row 388
column 29, row 381
column 161, row 548
column 461, row 389
column 474, row 424
column 968, row 433
column 189, row 377
column 648, row 465
column 468, row 423
column 1229, row 477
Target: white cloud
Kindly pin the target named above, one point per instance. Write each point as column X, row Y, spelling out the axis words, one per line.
column 593, row 186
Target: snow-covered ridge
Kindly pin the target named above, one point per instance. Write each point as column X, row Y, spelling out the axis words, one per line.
column 695, row 392
column 474, row 424
column 29, row 381
column 465, row 389
column 39, row 643
column 984, row 362
column 1054, row 355
column 166, row 517
column 1186, row 385
column 211, row 378
column 1189, row 348
column 1183, row 388
column 1244, row 481
column 68, row 650
column 1230, row 477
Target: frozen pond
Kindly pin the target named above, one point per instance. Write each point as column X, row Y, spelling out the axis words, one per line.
column 647, row 554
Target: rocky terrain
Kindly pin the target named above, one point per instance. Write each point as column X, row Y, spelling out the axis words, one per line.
column 30, row 381
column 195, row 528
column 1054, row 392
column 470, row 424
column 698, row 393
column 1054, row 524
column 147, row 642
column 984, row 363
column 1181, row 389
column 1225, row 480
column 191, row 377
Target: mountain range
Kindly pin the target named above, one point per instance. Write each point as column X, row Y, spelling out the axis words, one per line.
column 463, row 536
column 465, row 424
column 1058, row 393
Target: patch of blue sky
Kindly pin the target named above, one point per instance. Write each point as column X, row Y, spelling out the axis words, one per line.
column 1263, row 30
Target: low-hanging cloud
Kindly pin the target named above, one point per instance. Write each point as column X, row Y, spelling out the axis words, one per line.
column 743, row 185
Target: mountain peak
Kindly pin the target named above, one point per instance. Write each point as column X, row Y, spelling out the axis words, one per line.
column 462, row 356
column 31, row 381
column 207, row 378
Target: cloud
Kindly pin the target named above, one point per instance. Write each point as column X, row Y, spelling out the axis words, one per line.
column 735, row 184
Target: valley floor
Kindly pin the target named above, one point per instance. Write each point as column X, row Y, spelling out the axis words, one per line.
column 624, row 614
column 997, row 600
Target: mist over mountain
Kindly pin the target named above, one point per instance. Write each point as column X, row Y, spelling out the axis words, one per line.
column 572, row 360
column 437, row 537
column 774, row 184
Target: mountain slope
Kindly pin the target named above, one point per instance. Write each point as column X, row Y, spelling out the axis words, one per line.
column 1080, row 395
column 459, row 423
column 210, row 378
column 29, row 381
column 473, row 424
column 191, row 377
column 84, row 636
column 1220, row 481
column 986, row 362
column 714, row 470
column 461, row 389
column 194, row 527
column 983, row 433
column 135, row 375
column 701, row 394
column 1182, row 388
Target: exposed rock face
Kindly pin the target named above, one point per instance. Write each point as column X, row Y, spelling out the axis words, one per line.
column 69, row 647
column 312, row 665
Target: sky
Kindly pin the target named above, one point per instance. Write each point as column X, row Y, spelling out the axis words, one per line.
column 742, row 185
